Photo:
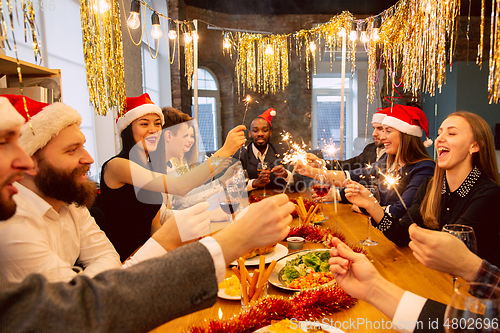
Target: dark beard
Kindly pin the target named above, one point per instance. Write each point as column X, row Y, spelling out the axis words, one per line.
column 261, row 147
column 7, row 209
column 64, row 186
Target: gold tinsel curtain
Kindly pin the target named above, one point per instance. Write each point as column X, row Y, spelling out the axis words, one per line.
column 103, row 53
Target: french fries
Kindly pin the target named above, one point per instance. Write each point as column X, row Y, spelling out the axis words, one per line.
column 253, row 286
column 305, row 216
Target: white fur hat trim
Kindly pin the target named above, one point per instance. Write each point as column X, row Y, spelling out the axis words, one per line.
column 403, row 126
column 46, row 125
column 138, row 112
column 9, row 115
column 378, row 118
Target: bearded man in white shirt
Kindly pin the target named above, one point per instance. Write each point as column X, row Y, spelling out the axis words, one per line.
column 124, row 300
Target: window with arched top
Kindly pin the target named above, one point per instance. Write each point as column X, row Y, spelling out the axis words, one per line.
column 208, row 109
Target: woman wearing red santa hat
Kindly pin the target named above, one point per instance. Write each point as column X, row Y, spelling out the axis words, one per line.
column 131, row 189
column 406, row 158
column 464, row 189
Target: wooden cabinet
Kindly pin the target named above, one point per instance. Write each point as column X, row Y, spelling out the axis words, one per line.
column 37, row 80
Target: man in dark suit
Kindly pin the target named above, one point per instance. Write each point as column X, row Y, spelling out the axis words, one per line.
column 261, row 150
column 372, row 152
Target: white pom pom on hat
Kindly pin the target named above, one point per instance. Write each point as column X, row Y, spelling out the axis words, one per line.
column 268, row 115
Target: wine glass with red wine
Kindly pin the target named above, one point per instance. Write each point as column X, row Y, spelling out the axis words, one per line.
column 229, row 199
column 321, row 187
column 373, row 189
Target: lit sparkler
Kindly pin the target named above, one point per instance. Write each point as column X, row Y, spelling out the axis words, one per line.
column 391, row 181
column 248, row 99
column 295, row 154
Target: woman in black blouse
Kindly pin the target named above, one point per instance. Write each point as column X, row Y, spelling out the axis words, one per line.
column 463, row 190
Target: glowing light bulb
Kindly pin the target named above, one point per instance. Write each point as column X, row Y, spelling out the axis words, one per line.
column 342, row 32
column 172, row 34
column 375, row 34
column 353, row 35
column 194, row 35
column 227, row 43
column 156, row 30
column 364, row 37
column 134, row 19
column 187, row 38
column 103, row 6
column 312, row 46
column 269, row 50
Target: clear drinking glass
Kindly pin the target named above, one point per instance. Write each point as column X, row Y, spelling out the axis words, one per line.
column 466, row 234
column 374, row 193
column 474, row 307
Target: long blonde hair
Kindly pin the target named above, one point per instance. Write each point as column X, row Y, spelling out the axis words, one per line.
column 484, row 160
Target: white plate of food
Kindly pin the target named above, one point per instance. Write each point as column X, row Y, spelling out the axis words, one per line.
column 287, row 325
column 229, row 288
column 279, row 252
column 279, row 279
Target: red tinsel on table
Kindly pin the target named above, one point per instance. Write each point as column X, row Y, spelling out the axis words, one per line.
column 306, row 305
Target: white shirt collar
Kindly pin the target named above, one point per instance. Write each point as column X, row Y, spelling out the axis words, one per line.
column 39, row 204
column 261, row 157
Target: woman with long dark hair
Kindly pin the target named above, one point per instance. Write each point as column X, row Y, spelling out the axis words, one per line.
column 131, row 186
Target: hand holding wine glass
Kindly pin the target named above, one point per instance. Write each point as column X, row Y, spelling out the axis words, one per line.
column 466, row 234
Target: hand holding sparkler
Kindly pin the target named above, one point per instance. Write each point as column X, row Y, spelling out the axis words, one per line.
column 234, row 140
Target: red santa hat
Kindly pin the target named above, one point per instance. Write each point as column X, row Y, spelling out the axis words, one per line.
column 47, row 120
column 380, row 115
column 136, row 107
column 408, row 119
column 268, row 115
column 9, row 115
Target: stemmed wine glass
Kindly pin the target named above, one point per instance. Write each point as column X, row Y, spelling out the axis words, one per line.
column 466, row 234
column 261, row 167
column 375, row 194
column 229, row 199
column 321, row 187
column 474, row 307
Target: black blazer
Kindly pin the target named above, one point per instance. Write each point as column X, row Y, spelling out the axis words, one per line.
column 274, row 157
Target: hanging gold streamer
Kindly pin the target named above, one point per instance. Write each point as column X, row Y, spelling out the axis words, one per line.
column 494, row 61
column 103, row 54
column 189, row 54
column 479, row 59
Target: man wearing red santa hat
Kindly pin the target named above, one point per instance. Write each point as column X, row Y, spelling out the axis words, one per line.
column 139, row 298
column 261, row 150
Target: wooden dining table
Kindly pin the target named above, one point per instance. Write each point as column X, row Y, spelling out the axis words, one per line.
column 396, row 264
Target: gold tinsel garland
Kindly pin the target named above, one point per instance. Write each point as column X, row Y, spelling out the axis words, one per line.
column 103, row 54
column 413, row 40
column 494, row 61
